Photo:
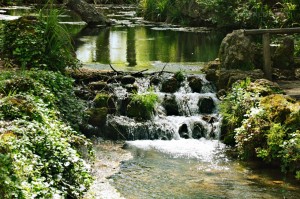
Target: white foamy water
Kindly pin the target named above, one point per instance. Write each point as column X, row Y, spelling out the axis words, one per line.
column 203, row 149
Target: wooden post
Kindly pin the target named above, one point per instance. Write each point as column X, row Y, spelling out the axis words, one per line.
column 267, row 56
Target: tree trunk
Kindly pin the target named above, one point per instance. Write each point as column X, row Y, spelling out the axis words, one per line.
column 88, row 13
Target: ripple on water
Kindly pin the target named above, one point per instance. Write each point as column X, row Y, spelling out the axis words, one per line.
column 190, row 169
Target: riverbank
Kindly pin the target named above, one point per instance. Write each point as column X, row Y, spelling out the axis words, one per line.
column 108, row 157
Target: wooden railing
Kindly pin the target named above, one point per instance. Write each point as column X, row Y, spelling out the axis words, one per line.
column 266, row 44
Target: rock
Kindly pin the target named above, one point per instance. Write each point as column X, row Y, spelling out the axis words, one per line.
column 100, row 85
column 123, row 105
column 237, row 51
column 127, row 79
column 105, row 100
column 115, row 79
column 264, row 87
column 227, row 77
column 170, row 105
column 206, row 105
column 198, row 131
column 211, row 75
column 97, row 116
column 170, row 85
column 101, row 100
column 283, row 57
column 130, row 88
column 138, row 110
column 83, row 93
column 155, row 80
column 195, row 83
column 88, row 13
column 183, row 131
column 283, row 74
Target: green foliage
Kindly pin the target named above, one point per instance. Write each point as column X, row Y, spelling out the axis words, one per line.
column 234, row 107
column 179, row 75
column 224, row 13
column 39, row 151
column 263, row 123
column 142, row 105
column 38, row 43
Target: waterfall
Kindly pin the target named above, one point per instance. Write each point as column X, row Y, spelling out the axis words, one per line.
column 188, row 111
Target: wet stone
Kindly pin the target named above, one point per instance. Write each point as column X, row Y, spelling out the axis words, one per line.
column 206, row 105
column 198, row 131
column 170, row 85
column 127, row 79
column 183, row 131
column 195, row 83
column 170, row 105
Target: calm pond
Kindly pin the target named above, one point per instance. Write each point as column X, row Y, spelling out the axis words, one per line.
column 184, row 168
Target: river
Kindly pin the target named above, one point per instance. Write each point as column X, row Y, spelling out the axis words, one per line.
column 178, row 168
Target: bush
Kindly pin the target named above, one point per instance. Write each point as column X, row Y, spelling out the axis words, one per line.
column 38, row 43
column 263, row 124
column 39, row 150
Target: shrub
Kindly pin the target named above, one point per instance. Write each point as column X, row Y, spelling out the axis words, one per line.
column 263, row 123
column 39, row 150
column 38, row 42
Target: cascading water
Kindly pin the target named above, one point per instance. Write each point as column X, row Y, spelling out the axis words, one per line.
column 182, row 114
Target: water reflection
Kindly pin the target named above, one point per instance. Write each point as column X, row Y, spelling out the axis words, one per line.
column 141, row 46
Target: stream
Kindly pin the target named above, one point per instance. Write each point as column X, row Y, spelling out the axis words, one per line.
column 158, row 162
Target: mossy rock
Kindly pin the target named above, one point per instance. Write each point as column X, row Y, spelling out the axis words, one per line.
column 264, row 87
column 97, row 116
column 101, row 100
column 170, row 85
column 195, row 83
column 155, row 80
column 138, row 110
column 282, row 109
column 206, row 105
column 100, row 85
column 105, row 100
column 170, row 105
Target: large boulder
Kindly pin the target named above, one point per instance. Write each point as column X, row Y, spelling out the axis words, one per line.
column 237, row 51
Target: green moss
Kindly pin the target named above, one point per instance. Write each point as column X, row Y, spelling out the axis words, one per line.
column 101, row 100
column 263, row 123
column 142, row 106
